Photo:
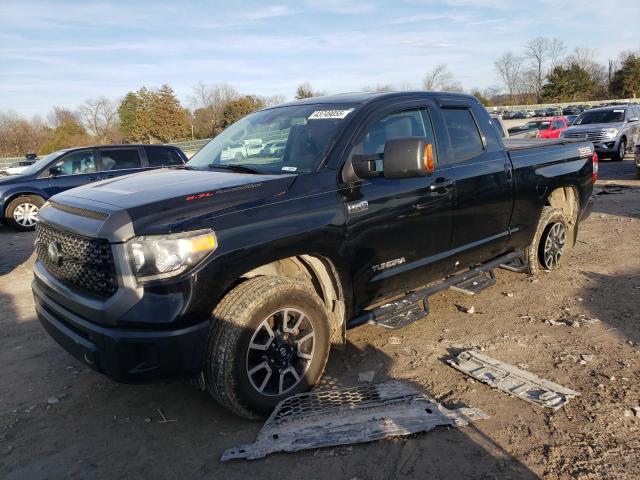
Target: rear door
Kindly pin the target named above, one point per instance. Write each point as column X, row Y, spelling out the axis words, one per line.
column 481, row 170
column 117, row 161
column 398, row 229
column 76, row 168
column 158, row 157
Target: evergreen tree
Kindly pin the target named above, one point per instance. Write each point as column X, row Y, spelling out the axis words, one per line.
column 237, row 109
column 568, row 84
column 626, row 80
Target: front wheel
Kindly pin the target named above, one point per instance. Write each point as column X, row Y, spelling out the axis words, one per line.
column 622, row 149
column 549, row 242
column 269, row 339
column 21, row 212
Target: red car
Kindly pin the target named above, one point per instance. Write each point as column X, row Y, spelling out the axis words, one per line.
column 552, row 127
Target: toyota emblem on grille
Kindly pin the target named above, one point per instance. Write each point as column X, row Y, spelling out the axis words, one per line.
column 54, row 253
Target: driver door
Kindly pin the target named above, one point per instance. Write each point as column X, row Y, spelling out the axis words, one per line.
column 398, row 229
column 77, row 168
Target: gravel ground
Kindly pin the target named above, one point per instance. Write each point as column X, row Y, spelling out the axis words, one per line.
column 60, row 420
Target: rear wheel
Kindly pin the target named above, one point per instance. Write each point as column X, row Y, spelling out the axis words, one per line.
column 622, row 149
column 21, row 212
column 269, row 339
column 549, row 242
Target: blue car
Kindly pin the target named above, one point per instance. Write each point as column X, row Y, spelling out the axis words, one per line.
column 21, row 196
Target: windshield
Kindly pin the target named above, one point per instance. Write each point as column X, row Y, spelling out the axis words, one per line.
column 35, row 167
column 601, row 116
column 540, row 124
column 284, row 139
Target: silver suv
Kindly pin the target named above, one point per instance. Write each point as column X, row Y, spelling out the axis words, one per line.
column 613, row 130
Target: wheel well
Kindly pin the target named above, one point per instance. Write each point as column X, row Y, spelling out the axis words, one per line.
column 319, row 272
column 17, row 195
column 566, row 199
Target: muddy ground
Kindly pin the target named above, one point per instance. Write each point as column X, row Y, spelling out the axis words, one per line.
column 99, row 429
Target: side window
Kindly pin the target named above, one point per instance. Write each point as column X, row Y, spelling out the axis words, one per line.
column 120, row 159
column 463, row 133
column 162, row 157
column 409, row 123
column 558, row 124
column 77, row 163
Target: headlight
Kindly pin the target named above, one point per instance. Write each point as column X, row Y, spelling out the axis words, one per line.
column 610, row 132
column 154, row 257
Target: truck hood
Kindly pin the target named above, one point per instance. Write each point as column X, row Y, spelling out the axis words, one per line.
column 165, row 199
column 594, row 127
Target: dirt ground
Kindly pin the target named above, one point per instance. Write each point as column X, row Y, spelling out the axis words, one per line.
column 99, row 429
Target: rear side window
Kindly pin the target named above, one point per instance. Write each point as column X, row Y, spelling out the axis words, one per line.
column 558, row 124
column 463, row 133
column 162, row 157
column 120, row 159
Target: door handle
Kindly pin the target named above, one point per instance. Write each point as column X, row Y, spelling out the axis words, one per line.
column 508, row 171
column 441, row 183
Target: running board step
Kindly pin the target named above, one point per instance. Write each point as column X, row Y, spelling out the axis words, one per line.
column 474, row 285
column 516, row 265
column 415, row 305
column 398, row 314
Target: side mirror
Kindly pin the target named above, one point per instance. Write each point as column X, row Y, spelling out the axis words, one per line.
column 402, row 158
column 408, row 157
column 54, row 171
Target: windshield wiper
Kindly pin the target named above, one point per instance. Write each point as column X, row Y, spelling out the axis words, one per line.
column 235, row 168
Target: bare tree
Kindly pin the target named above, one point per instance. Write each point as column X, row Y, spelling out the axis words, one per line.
column 440, row 78
column 99, row 116
column 208, row 103
column 556, row 51
column 509, row 68
column 272, row 100
column 544, row 54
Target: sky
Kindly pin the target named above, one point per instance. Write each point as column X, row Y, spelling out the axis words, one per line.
column 63, row 52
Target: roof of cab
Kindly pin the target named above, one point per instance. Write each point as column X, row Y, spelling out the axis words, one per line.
column 365, row 97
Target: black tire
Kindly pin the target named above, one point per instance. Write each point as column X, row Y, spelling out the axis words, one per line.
column 638, row 172
column 622, row 149
column 236, row 321
column 534, row 254
column 21, row 211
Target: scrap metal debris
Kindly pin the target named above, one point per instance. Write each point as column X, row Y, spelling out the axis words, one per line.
column 364, row 413
column 512, row 380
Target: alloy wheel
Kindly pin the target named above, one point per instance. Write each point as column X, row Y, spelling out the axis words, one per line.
column 554, row 246
column 280, row 352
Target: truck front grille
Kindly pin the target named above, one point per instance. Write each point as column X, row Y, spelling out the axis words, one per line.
column 594, row 135
column 80, row 262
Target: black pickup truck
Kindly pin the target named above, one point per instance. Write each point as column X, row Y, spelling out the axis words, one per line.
column 244, row 272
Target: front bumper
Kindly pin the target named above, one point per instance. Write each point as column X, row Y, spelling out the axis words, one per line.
column 606, row 148
column 123, row 354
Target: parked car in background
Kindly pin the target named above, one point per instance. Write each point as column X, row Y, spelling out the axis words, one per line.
column 553, row 127
column 21, row 196
column 273, row 149
column 611, row 129
column 571, row 110
column 16, row 168
column 520, row 114
column 527, row 127
column 541, row 112
column 507, row 114
column 553, row 112
column 571, row 118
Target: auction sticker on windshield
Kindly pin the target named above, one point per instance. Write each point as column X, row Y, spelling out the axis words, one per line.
column 329, row 114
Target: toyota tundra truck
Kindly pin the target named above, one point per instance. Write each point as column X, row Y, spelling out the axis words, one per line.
column 244, row 273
